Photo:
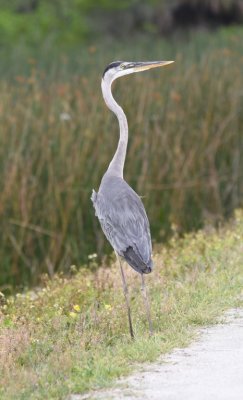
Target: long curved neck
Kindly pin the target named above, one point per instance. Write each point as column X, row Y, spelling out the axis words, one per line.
column 117, row 163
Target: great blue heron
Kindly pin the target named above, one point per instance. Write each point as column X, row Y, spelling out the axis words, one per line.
column 119, row 209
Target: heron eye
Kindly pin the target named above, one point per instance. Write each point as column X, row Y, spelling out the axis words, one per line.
column 123, row 66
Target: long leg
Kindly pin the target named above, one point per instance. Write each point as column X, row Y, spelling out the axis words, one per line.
column 147, row 305
column 125, row 290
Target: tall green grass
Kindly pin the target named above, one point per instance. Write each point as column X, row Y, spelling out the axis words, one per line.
column 57, row 137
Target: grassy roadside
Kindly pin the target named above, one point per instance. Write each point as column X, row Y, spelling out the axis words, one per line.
column 72, row 335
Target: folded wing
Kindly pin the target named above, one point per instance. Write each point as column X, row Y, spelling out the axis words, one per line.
column 124, row 222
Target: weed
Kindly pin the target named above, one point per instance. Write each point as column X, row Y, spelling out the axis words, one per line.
column 71, row 335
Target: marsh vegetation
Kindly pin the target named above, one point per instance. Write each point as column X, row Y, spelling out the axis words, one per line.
column 57, row 137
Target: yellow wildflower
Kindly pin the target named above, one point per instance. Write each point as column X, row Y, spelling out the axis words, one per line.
column 108, row 307
column 76, row 308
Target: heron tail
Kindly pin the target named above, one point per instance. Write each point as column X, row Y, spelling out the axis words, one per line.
column 133, row 259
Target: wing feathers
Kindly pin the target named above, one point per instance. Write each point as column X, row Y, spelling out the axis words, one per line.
column 124, row 221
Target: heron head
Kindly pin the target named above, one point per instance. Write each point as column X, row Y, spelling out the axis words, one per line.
column 121, row 68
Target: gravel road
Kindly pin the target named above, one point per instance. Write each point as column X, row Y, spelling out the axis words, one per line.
column 209, row 369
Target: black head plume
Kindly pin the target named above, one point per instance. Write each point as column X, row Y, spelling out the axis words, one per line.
column 112, row 65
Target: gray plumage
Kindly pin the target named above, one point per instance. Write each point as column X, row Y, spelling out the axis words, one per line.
column 124, row 222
